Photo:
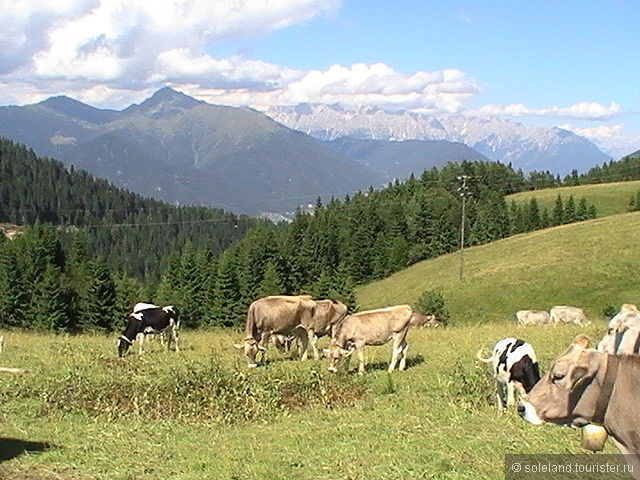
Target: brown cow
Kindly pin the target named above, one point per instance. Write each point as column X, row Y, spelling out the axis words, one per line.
column 327, row 316
column 585, row 387
column 277, row 314
column 374, row 327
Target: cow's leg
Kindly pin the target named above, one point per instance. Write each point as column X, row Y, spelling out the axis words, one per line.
column 264, row 341
column 313, row 340
column 511, row 394
column 396, row 350
column 303, row 346
column 174, row 335
column 500, row 390
column 403, row 360
column 360, row 350
column 140, row 340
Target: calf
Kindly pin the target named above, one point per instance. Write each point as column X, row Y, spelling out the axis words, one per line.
column 163, row 320
column 515, row 368
column 373, row 327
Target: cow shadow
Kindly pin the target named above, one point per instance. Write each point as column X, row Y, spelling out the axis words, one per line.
column 11, row 448
column 411, row 362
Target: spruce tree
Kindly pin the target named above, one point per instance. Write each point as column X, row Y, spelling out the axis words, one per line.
column 558, row 214
column 228, row 308
column 271, row 283
column 570, row 210
column 49, row 306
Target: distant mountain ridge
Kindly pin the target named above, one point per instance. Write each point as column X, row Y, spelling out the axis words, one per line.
column 182, row 150
column 526, row 147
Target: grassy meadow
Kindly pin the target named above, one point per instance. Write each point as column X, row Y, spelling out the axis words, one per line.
column 591, row 264
column 609, row 198
column 202, row 414
column 80, row 413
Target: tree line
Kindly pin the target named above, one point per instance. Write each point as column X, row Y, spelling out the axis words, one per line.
column 83, row 279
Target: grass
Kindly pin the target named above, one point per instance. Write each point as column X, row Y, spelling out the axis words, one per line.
column 609, row 198
column 434, row 420
column 590, row 264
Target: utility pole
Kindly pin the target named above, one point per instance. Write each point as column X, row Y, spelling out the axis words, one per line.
column 463, row 191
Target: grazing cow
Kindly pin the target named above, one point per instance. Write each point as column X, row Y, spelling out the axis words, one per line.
column 328, row 314
column 515, row 369
column 142, row 321
column 583, row 387
column 623, row 333
column 278, row 314
column 422, row 320
column 532, row 317
column 566, row 314
column 373, row 327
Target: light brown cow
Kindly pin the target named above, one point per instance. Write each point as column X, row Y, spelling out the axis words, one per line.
column 276, row 314
column 584, row 387
column 422, row 320
column 566, row 314
column 328, row 314
column 532, row 317
column 623, row 332
column 373, row 327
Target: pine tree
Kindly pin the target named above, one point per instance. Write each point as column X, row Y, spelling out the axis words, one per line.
column 558, row 214
column 100, row 311
column 271, row 283
column 49, row 306
column 570, row 210
column 582, row 212
column 228, row 308
column 14, row 295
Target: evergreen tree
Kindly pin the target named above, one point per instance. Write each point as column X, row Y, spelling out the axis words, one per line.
column 100, row 311
column 558, row 214
column 271, row 283
column 228, row 308
column 49, row 306
column 570, row 210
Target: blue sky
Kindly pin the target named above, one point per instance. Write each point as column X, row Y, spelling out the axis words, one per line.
column 563, row 63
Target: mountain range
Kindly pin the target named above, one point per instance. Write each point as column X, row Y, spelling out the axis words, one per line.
column 185, row 151
column 506, row 141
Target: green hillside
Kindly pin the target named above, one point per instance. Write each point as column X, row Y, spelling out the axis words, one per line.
column 609, row 198
column 589, row 264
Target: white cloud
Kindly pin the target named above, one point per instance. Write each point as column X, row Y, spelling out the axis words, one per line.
column 361, row 84
column 612, row 139
column 582, row 110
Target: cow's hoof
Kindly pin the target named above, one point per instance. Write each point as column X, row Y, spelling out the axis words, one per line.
column 252, row 365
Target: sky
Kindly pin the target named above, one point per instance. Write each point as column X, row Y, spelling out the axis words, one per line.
column 572, row 64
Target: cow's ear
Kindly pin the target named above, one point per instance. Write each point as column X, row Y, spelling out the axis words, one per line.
column 579, row 375
column 239, row 347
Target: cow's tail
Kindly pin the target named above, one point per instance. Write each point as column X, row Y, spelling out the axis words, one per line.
column 484, row 360
column 250, row 327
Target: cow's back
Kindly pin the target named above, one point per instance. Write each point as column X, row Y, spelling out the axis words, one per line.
column 278, row 313
column 532, row 317
column 326, row 314
column 567, row 314
column 375, row 326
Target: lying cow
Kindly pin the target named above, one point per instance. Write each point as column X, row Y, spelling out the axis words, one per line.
column 532, row 317
column 422, row 320
column 275, row 315
column 146, row 319
column 623, row 333
column 584, row 387
column 373, row 327
column 566, row 314
column 515, row 369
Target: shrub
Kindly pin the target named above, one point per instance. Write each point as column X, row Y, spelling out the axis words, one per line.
column 432, row 302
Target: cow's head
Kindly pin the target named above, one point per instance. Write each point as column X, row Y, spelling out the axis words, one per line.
column 123, row 345
column 251, row 347
column 334, row 353
column 567, row 394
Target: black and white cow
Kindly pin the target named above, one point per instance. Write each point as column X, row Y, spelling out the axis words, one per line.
column 150, row 319
column 515, row 368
